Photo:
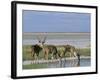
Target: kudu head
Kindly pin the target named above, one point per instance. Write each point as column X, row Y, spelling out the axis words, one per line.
column 41, row 40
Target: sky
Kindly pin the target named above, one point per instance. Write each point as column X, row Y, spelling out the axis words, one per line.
column 43, row 21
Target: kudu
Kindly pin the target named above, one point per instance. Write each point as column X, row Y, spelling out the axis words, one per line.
column 67, row 49
column 73, row 52
column 46, row 49
column 35, row 50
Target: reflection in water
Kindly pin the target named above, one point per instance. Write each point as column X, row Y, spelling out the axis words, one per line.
column 63, row 63
column 68, row 63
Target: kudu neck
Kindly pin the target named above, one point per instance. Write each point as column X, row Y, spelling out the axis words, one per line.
column 41, row 45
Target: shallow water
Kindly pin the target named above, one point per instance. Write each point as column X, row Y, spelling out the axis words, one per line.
column 63, row 63
column 70, row 63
